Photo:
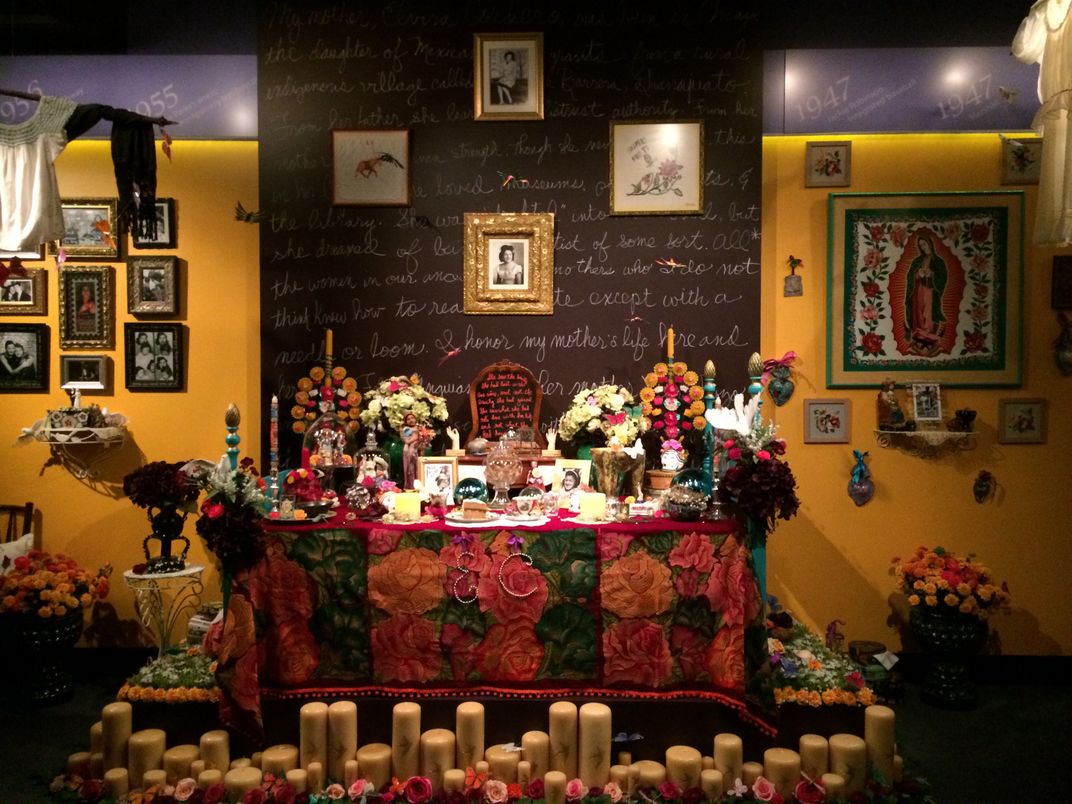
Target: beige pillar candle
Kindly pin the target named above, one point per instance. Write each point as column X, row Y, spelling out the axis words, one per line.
column 313, row 734
column 256, row 758
column 814, row 751
column 502, row 764
column 315, row 780
column 594, row 733
column 834, row 784
column 469, row 727
column 78, row 764
column 238, row 780
column 634, row 780
column 342, row 737
column 898, row 767
column 350, row 772
column 96, row 765
column 197, row 767
column 375, row 762
column 619, row 774
column 405, row 739
column 116, row 723
column 750, row 771
column 116, row 782
column 454, row 780
column 683, row 766
column 482, row 767
column 848, row 759
column 96, row 738
column 554, row 787
column 241, row 762
column 145, row 750
column 437, row 755
column 154, row 778
column 649, row 773
column 625, row 758
column 562, row 733
column 207, row 778
column 524, row 772
column 707, row 763
column 298, row 779
column 711, row 783
column 782, row 767
column 729, row 755
column 278, row 759
column 879, row 739
column 177, row 762
column 216, row 750
column 535, row 749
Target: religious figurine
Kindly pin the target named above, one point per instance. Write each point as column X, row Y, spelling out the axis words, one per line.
column 889, row 413
column 414, row 439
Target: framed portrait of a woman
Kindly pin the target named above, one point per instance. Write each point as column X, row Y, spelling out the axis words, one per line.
column 87, row 318
column 508, row 76
column 509, row 263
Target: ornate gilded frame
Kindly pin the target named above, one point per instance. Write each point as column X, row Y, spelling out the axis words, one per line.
column 531, row 236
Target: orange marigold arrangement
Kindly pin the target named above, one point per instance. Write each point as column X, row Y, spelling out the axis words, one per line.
column 50, row 585
column 939, row 580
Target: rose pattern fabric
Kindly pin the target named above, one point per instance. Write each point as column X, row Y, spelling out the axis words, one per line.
column 636, row 652
column 407, row 582
column 636, row 586
column 402, row 649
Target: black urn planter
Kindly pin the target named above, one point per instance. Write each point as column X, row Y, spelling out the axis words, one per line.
column 40, row 651
column 952, row 640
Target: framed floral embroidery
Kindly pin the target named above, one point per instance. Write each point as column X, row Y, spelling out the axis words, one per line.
column 926, row 283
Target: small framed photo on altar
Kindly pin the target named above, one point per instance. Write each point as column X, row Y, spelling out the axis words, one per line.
column 152, row 285
column 166, row 230
column 438, row 475
column 509, row 263
column 1021, row 421
column 827, row 421
column 90, row 228
column 153, row 356
column 926, row 401
column 24, row 360
column 25, row 295
column 87, row 319
column 85, row 372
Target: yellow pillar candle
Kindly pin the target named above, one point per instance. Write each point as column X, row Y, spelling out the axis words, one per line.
column 78, row 764
column 524, row 772
column 782, row 767
column 116, row 782
column 315, row 781
column 707, row 763
column 350, row 772
column 454, row 780
column 241, row 762
column 594, row 733
column 405, row 738
column 848, row 759
column 177, row 762
column 729, row 755
column 535, row 749
column 328, row 343
column 634, row 779
column 146, row 752
column 711, row 783
column 554, row 787
column 255, row 759
column 407, row 508
column 649, row 773
column 96, row 738
column 313, row 733
column 216, row 750
column 437, row 755
column 593, row 506
column 238, row 780
column 298, row 779
column 813, row 756
column 683, row 766
column 342, row 737
column 562, row 733
column 619, row 774
column 879, row 739
column 469, row 727
column 116, row 723
column 197, row 767
column 898, row 767
column 625, row 758
column 502, row 764
column 670, row 343
column 482, row 767
column 207, row 778
column 750, row 771
column 96, row 765
column 375, row 762
column 154, row 778
column 834, row 784
column 278, row 759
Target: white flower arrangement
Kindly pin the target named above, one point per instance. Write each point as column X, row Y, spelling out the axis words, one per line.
column 604, row 409
column 387, row 404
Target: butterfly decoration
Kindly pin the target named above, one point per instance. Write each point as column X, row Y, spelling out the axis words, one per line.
column 165, row 144
column 105, row 230
column 61, row 256
column 670, row 263
column 510, row 747
column 739, row 788
column 474, row 780
column 448, row 355
column 15, row 268
column 615, row 418
column 244, row 215
column 626, row 737
column 635, row 319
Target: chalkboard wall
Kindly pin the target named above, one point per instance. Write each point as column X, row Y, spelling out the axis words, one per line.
column 388, row 281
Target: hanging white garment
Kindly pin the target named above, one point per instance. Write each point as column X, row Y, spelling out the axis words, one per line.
column 1044, row 37
column 30, row 212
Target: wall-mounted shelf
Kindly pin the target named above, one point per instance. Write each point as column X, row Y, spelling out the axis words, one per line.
column 925, row 443
column 81, row 447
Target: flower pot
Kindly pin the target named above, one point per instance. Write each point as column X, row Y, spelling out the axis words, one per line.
column 40, row 652
column 167, row 529
column 951, row 640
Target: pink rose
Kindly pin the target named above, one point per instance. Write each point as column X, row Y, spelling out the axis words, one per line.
column 254, row 796
column 613, row 544
column 575, row 790
column 611, row 789
column 762, row 454
column 495, row 791
column 184, row 789
column 636, row 652
column 334, row 791
column 763, row 789
column 669, row 790
column 214, row 793
column 360, row 787
column 418, row 790
column 694, row 551
column 728, row 443
column 382, row 541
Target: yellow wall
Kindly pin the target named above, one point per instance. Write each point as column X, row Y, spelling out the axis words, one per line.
column 219, row 306
column 832, row 560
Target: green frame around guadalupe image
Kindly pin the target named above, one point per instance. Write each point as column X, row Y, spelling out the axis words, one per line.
column 925, row 284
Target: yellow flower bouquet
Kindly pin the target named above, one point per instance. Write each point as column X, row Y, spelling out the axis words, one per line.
column 50, row 585
column 940, row 581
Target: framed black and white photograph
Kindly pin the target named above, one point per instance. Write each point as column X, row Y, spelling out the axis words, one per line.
column 508, row 76
column 85, row 372
column 438, row 475
column 166, row 232
column 87, row 318
column 153, row 356
column 926, row 402
column 25, row 295
column 24, row 361
column 509, row 263
column 90, row 228
column 152, row 285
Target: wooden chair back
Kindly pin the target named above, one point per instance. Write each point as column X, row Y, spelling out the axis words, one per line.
column 16, row 521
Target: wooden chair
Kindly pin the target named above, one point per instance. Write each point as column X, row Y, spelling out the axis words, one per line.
column 19, row 520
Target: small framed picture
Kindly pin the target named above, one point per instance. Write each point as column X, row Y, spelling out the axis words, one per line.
column 438, row 475
column 828, row 164
column 90, row 228
column 508, row 76
column 509, row 263
column 153, row 356
column 656, row 168
column 39, row 254
column 570, row 475
column 25, row 295
column 166, row 230
column 1021, row 421
column 85, row 372
column 1021, row 160
column 152, row 285
column 24, row 360
column 86, row 314
column 827, row 421
column 1061, row 285
column 370, row 167
column 926, row 402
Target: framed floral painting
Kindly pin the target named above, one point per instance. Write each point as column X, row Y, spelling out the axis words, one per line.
column 1021, row 421
column 828, row 164
column 827, row 421
column 656, row 168
column 925, row 283
column 1021, row 160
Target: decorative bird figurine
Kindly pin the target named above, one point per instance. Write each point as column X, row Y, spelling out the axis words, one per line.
column 242, row 214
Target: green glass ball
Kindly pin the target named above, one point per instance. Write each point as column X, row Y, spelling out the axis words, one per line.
column 691, row 479
column 470, row 488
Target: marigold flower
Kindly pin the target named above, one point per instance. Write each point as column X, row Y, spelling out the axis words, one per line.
column 913, row 600
column 930, row 600
column 951, row 600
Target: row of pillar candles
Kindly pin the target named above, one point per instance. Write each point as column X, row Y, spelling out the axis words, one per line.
column 577, row 744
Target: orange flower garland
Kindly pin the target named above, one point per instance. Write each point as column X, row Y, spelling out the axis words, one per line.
column 672, row 400
column 320, row 392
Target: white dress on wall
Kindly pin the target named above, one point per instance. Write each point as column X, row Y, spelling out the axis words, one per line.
column 1045, row 38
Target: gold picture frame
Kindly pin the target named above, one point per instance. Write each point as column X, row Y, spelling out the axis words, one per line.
column 508, row 76
column 87, row 316
column 519, row 284
column 656, row 167
column 433, row 470
column 84, row 235
column 25, row 295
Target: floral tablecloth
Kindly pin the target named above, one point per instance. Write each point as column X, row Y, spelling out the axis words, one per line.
column 656, row 609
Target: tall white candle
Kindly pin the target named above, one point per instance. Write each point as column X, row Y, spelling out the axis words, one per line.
column 116, row 723
column 405, row 739
column 146, row 749
column 535, row 748
column 342, row 737
column 437, row 755
column 848, row 759
column 782, row 767
column 469, row 726
column 729, row 756
column 563, row 738
column 594, row 744
column 216, row 750
column 313, row 733
column 879, row 738
column 813, row 755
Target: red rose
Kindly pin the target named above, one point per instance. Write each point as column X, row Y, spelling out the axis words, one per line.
column 22, row 564
column 872, row 343
column 213, row 510
column 519, row 577
column 418, row 790
column 695, row 551
column 403, row 649
column 877, row 231
column 534, row 789
column 871, row 289
column 669, row 790
column 980, row 232
column 974, row 342
column 254, row 796
column 688, row 647
column 808, row 791
column 636, row 652
column 382, row 541
column 510, row 653
column 214, row 794
column 734, row 454
column 725, row 658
